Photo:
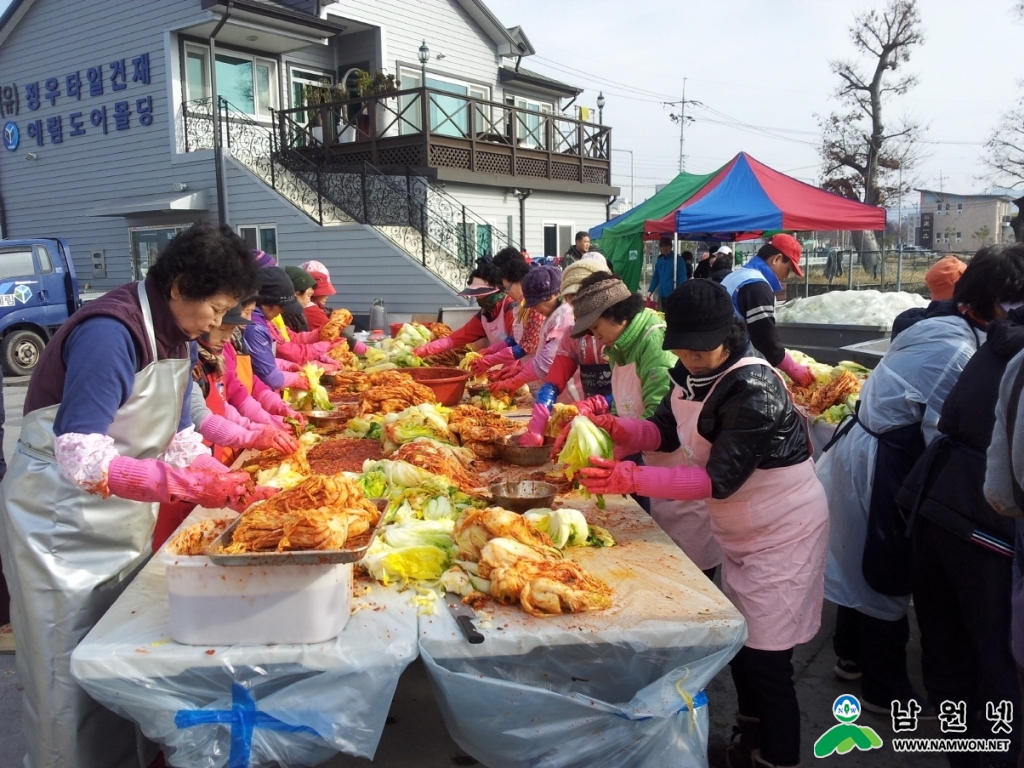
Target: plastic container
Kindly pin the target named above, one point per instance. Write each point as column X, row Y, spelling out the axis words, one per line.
column 256, row 605
column 449, row 384
column 396, row 328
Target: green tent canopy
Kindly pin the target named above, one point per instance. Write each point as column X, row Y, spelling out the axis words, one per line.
column 621, row 239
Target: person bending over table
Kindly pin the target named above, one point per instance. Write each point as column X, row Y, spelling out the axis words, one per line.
column 745, row 453
column 107, row 436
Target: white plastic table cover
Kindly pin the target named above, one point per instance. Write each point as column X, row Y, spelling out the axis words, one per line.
column 617, row 688
column 248, row 706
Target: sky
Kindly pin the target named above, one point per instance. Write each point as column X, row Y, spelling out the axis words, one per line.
column 765, row 63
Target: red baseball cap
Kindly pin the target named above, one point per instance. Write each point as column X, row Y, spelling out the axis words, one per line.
column 789, row 247
column 323, row 284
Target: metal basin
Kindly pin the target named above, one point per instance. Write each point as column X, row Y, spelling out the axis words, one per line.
column 523, row 495
column 524, row 456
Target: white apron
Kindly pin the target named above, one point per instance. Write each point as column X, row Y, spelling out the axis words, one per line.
column 687, row 523
column 68, row 555
column 774, row 533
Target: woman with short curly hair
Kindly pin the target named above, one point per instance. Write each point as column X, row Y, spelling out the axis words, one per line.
column 107, row 437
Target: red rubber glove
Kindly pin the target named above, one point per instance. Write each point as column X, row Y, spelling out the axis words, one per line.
column 501, row 357
column 595, row 405
column 606, row 476
column 509, row 371
column 800, row 374
column 268, row 437
column 435, row 347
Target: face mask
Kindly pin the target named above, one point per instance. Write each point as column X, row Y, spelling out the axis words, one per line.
column 487, row 303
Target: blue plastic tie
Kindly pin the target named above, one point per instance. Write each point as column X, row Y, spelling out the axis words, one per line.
column 700, row 700
column 244, row 718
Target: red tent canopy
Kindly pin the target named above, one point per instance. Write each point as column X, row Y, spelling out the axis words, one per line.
column 747, row 198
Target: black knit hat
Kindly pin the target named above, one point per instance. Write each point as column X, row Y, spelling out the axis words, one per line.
column 276, row 288
column 697, row 316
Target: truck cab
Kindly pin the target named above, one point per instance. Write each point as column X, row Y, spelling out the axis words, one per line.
column 38, row 292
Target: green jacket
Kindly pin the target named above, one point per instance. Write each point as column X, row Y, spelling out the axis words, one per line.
column 641, row 343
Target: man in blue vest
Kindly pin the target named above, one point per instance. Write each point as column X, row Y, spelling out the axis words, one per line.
column 753, row 288
column 670, row 271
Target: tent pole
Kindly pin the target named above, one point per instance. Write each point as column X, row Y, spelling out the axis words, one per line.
column 675, row 260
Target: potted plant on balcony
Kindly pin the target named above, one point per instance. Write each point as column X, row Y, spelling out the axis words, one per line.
column 377, row 85
column 313, row 96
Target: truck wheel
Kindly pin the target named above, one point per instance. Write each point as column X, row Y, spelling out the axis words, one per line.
column 20, row 352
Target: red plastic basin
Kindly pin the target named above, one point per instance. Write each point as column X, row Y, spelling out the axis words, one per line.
column 449, row 384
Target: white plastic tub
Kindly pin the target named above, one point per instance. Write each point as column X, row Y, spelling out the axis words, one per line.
column 256, row 605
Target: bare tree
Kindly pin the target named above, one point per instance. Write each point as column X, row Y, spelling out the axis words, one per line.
column 862, row 157
column 1004, row 149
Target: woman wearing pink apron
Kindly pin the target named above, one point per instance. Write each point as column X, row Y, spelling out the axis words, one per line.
column 493, row 322
column 633, row 336
column 747, row 456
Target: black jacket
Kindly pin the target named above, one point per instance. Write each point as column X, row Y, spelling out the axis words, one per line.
column 749, row 421
column 947, row 483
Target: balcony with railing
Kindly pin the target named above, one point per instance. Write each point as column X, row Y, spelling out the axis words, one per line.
column 463, row 134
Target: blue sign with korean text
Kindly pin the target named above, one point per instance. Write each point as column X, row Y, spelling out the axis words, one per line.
column 105, row 118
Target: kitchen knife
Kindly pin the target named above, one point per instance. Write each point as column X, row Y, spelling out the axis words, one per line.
column 464, row 617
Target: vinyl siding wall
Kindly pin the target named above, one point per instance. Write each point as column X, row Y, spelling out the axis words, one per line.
column 54, row 194
column 364, row 265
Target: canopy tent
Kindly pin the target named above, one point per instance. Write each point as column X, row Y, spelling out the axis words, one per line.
column 621, row 238
column 746, row 199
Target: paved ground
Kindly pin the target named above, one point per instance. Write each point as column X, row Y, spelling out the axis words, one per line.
column 415, row 736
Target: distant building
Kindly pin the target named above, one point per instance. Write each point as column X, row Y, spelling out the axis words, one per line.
column 951, row 222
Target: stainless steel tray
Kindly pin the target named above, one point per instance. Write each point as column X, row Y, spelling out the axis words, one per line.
column 352, row 554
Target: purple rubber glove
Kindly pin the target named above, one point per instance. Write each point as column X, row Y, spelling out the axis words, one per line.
column 605, row 476
column 435, row 347
column 800, row 374
column 221, row 431
column 152, row 480
column 629, row 435
column 360, row 349
column 503, row 356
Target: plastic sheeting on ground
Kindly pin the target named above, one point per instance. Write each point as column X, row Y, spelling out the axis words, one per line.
column 240, row 706
column 621, row 687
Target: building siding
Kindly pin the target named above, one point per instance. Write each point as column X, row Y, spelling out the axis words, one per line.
column 496, row 205
column 469, row 53
column 364, row 264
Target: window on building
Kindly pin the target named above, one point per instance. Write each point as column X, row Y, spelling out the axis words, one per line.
column 249, row 83
column 261, row 237
column 530, row 130
column 449, row 115
column 959, row 208
column 947, row 204
column 558, row 237
column 959, row 236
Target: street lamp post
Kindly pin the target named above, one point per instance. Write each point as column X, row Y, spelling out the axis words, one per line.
column 600, row 108
column 424, row 58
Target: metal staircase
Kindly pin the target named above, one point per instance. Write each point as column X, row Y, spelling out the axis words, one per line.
column 422, row 221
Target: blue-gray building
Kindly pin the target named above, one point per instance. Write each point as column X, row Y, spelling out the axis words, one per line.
column 113, row 110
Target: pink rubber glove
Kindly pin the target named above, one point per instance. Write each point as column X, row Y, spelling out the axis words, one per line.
column 329, row 364
column 535, row 429
column 268, row 437
column 494, row 348
column 152, row 480
column 508, row 372
column 435, row 347
column 322, row 347
column 595, row 405
column 220, row 431
column 605, row 476
column 232, row 415
column 629, row 435
column 287, row 366
column 207, row 463
column 502, row 357
column 800, row 374
column 295, row 381
column 360, row 349
column 254, row 412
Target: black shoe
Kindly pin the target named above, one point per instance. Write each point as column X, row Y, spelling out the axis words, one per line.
column 928, row 712
column 845, row 669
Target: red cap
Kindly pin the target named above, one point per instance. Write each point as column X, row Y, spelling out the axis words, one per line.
column 789, row 247
column 323, row 284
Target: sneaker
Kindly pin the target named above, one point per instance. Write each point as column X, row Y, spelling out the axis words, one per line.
column 846, row 669
column 928, row 712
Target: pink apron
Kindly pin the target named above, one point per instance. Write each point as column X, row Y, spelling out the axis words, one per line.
column 774, row 533
column 495, row 329
column 687, row 523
